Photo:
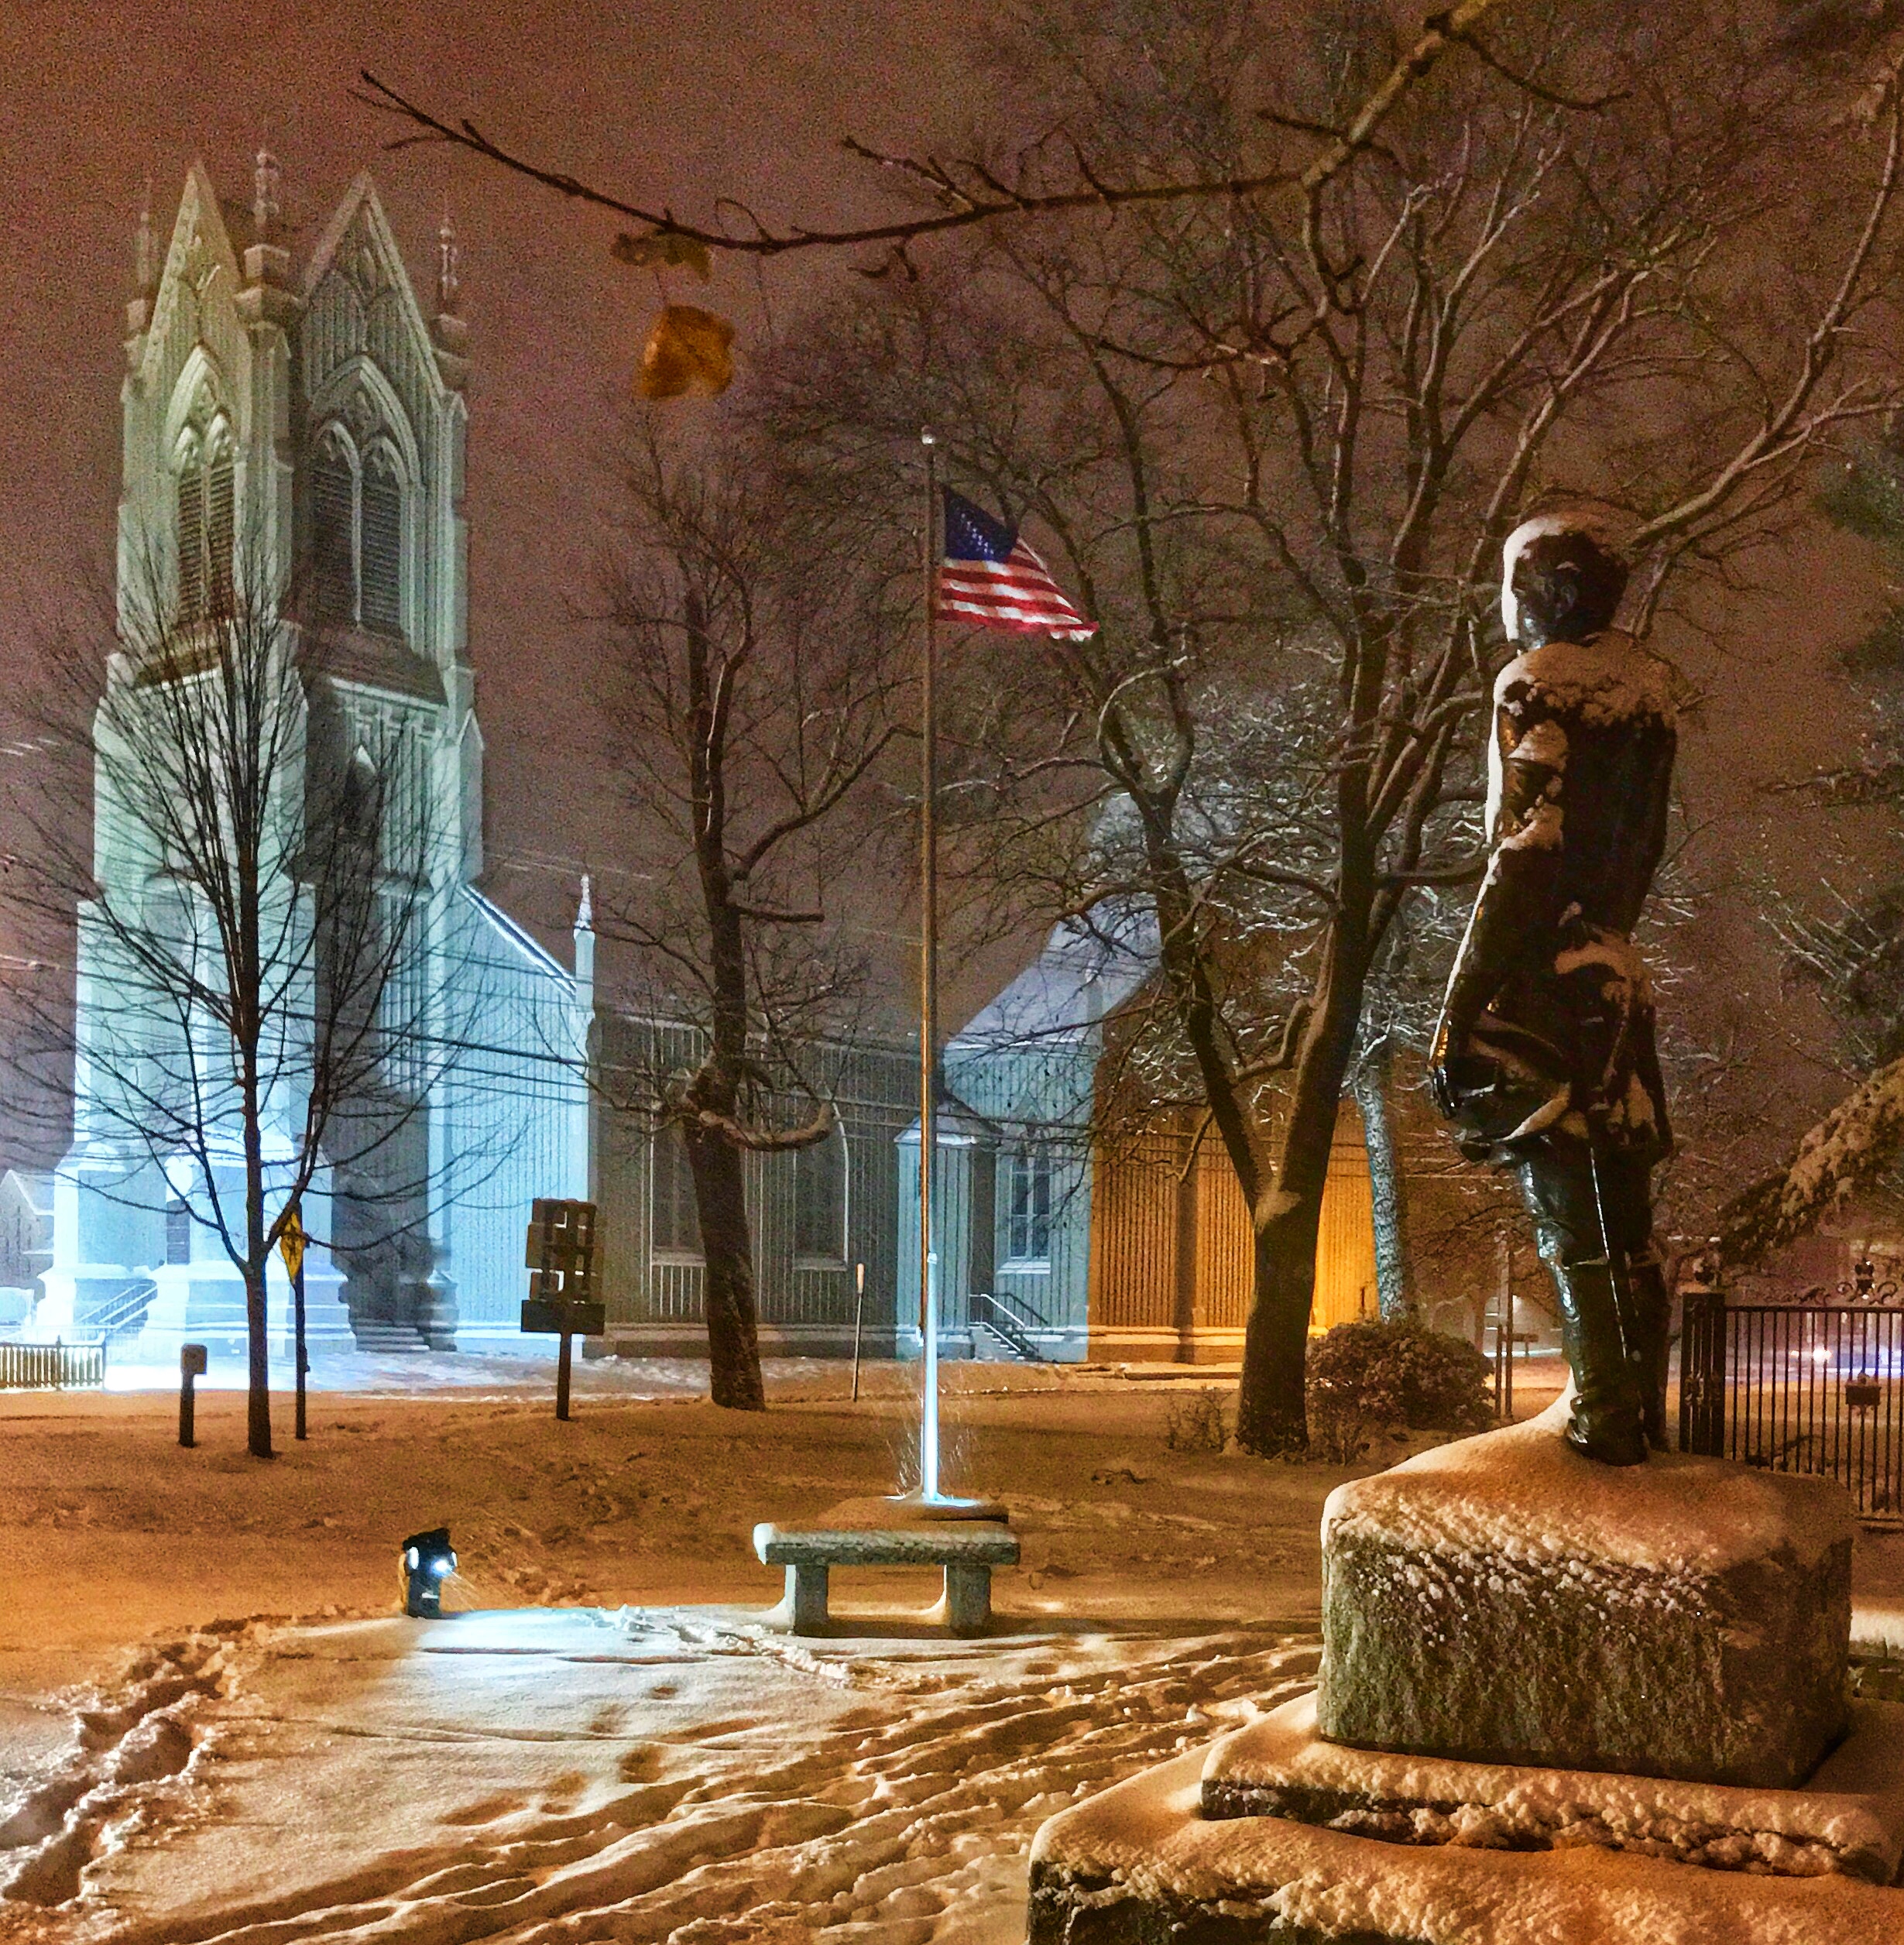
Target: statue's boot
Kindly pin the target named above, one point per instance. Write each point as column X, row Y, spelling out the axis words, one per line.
column 1649, row 1341
column 1608, row 1421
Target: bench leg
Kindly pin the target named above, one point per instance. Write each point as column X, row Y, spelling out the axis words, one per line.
column 806, row 1599
column 968, row 1599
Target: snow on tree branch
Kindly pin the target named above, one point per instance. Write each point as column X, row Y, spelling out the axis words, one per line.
column 1845, row 1152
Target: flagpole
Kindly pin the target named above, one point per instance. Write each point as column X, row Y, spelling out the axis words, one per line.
column 928, row 989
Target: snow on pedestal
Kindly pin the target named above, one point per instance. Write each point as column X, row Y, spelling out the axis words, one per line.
column 1503, row 1600
column 1140, row 1864
column 1849, row 1820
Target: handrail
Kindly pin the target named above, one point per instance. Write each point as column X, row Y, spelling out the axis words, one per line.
column 119, row 1313
column 1014, row 1327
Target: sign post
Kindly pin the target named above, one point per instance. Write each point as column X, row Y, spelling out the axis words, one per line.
column 561, row 1301
column 859, row 1318
column 191, row 1365
column 291, row 1247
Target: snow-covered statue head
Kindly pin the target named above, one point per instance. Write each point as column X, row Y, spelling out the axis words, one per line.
column 1561, row 579
column 1545, row 1058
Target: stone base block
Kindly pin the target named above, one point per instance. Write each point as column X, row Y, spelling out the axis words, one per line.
column 1503, row 1599
column 1141, row 1865
column 1849, row 1820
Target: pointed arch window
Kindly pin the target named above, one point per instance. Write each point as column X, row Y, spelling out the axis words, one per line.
column 357, row 536
column 207, row 514
column 382, row 543
column 333, row 532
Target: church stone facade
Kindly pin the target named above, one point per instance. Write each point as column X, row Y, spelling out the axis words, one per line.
column 315, row 414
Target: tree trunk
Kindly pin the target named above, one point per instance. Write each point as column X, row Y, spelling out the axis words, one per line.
column 1394, row 1281
column 257, row 1257
column 1272, row 1417
column 715, row 1162
column 258, row 1400
column 727, row 1278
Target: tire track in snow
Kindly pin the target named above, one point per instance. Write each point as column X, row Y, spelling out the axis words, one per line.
column 905, row 1822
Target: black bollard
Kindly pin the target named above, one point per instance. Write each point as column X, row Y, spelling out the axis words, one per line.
column 191, row 1365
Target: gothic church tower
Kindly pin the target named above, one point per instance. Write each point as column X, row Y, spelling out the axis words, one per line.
column 311, row 422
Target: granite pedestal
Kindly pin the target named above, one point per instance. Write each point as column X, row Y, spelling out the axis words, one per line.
column 1557, row 1700
column 1503, row 1600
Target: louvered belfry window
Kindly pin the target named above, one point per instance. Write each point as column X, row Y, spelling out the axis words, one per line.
column 381, row 553
column 207, row 514
column 676, row 1225
column 820, row 1200
column 357, row 538
column 220, row 530
column 191, row 543
column 333, row 535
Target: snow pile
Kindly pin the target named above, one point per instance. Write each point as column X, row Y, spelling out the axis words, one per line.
column 136, row 1762
column 1877, row 1628
column 1850, row 1817
column 1145, row 1841
column 1523, row 1495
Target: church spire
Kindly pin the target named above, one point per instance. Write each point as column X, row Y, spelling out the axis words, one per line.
column 145, row 273
column 145, row 270
column 265, row 208
column 449, row 282
column 267, row 261
column 584, row 947
column 447, row 328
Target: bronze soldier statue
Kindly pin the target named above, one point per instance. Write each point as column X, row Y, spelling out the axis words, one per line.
column 1545, row 1058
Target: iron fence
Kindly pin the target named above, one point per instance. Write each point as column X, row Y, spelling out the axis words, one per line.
column 52, row 1367
column 1816, row 1386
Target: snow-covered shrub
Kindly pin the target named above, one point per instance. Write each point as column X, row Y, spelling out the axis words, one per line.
column 1365, row 1380
column 1197, row 1423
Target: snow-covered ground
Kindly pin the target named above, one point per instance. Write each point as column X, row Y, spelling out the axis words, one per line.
column 213, row 1725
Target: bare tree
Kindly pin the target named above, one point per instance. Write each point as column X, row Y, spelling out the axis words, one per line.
column 1340, row 309
column 758, row 676
column 1275, row 438
column 248, row 916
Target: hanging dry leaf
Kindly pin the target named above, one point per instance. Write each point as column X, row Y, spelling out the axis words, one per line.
column 689, row 352
column 663, row 250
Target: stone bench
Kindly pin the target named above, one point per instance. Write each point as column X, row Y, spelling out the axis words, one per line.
column 967, row 1549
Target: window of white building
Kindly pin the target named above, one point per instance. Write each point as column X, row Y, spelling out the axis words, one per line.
column 1028, row 1208
column 675, row 1224
column 178, row 1231
column 820, row 1203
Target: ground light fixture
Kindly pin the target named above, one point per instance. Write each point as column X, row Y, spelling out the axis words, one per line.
column 428, row 1561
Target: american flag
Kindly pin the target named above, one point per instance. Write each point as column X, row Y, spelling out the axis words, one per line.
column 989, row 577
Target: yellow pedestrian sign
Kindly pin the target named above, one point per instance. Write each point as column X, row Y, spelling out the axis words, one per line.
column 291, row 1244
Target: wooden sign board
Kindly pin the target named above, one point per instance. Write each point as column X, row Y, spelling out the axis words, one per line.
column 578, row 1319
column 559, row 1256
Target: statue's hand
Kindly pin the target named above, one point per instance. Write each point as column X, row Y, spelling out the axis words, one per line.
column 1448, row 1047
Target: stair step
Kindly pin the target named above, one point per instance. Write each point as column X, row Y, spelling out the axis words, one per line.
column 388, row 1338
